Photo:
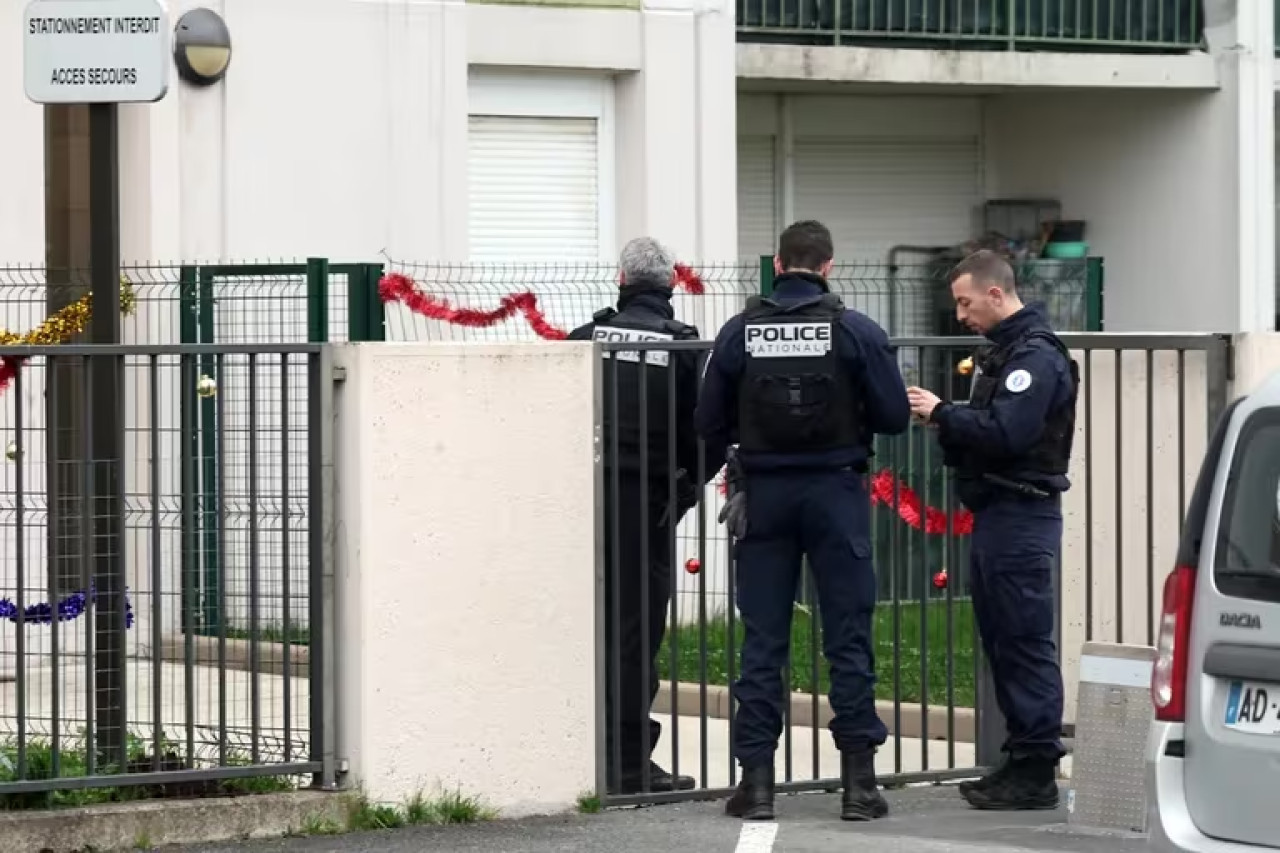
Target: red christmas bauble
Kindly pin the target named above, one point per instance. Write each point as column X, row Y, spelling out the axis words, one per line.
column 940, row 579
column 693, row 565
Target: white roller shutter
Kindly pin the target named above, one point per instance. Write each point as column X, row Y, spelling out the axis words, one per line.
column 757, row 205
column 875, row 194
column 534, row 188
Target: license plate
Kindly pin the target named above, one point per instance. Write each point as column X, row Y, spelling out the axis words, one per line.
column 1253, row 707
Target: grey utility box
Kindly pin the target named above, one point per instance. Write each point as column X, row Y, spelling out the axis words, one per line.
column 1113, row 717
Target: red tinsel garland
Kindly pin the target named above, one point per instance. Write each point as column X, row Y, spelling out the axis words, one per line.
column 395, row 287
column 9, row 366
column 882, row 483
column 936, row 521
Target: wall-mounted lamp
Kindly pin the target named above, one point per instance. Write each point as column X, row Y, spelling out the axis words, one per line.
column 201, row 47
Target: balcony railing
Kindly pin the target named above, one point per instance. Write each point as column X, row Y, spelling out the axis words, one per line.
column 1095, row 26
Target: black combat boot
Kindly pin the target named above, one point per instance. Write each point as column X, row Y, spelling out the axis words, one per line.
column 861, row 799
column 994, row 775
column 1026, row 783
column 754, row 798
column 660, row 781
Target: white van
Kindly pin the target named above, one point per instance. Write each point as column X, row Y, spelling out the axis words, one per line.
column 1213, row 757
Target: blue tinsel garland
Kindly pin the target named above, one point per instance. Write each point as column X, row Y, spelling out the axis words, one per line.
column 71, row 607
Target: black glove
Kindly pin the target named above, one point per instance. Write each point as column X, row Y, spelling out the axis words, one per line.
column 686, row 499
column 734, row 513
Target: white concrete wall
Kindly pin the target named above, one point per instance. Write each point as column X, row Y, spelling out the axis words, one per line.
column 461, row 561
column 1154, row 176
column 1257, row 356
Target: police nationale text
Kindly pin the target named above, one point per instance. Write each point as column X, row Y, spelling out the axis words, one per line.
column 788, row 340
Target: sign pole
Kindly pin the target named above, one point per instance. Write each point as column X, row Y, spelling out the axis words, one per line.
column 106, row 431
column 102, row 53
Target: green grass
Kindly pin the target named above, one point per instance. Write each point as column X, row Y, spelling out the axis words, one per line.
column 298, row 635
column 72, row 763
column 913, row 627
column 912, row 650
column 451, row 807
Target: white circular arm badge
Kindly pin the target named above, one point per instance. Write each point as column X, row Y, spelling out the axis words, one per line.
column 1018, row 381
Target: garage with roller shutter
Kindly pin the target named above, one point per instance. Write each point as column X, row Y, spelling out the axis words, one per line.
column 880, row 171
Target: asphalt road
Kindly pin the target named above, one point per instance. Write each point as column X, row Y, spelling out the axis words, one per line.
column 922, row 820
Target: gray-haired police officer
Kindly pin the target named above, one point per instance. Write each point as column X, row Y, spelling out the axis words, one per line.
column 1011, row 446
column 802, row 385
column 644, row 313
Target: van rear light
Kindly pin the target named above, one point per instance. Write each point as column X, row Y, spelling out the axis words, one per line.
column 1169, row 675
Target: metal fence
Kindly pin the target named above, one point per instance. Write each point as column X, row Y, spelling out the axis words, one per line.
column 1111, row 26
column 133, row 661
column 1145, row 408
column 905, row 299
column 317, row 301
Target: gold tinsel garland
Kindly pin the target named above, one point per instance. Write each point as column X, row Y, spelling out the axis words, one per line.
column 69, row 321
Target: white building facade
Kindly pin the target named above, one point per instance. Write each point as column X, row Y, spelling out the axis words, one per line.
column 449, row 131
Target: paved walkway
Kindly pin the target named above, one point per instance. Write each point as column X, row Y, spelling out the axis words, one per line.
column 928, row 819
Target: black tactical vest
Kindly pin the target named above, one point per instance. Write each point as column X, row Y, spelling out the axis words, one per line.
column 1052, row 454
column 796, row 395
column 610, row 325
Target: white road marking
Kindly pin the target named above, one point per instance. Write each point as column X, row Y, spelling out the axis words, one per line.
column 757, row 838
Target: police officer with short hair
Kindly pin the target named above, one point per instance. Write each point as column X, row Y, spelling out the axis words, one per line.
column 802, row 384
column 644, row 313
column 1010, row 447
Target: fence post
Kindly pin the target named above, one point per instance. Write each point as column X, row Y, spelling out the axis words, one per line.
column 366, row 315
column 766, row 275
column 990, row 723
column 321, row 568
column 318, row 300
column 188, row 333
column 208, row 426
column 1093, row 295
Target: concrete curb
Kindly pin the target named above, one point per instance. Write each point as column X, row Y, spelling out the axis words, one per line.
column 134, row 826
column 205, row 653
column 910, row 722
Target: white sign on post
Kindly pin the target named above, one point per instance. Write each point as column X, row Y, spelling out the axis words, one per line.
column 96, row 51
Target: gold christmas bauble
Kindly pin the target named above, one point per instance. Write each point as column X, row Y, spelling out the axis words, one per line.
column 965, row 367
column 206, row 386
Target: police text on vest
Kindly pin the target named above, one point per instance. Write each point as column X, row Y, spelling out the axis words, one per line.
column 612, row 334
column 788, row 340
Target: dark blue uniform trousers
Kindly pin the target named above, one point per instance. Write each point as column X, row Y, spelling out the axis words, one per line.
column 1012, row 558
column 826, row 516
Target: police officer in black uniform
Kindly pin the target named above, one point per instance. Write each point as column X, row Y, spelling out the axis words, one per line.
column 644, row 313
column 802, row 384
column 1010, row 447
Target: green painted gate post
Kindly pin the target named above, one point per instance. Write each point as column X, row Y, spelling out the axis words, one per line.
column 766, row 275
column 210, row 488
column 318, row 300
column 1093, row 295
column 189, row 444
column 366, row 315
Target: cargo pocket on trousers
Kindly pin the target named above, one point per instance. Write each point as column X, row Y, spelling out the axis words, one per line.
column 1021, row 598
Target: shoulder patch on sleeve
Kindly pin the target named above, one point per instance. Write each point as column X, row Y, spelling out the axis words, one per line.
column 1018, row 381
